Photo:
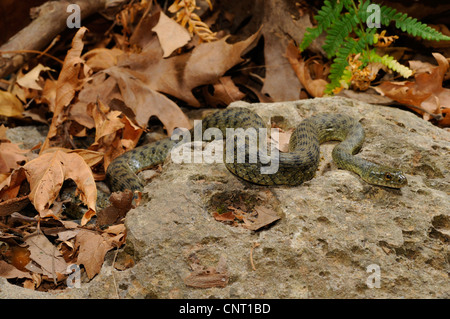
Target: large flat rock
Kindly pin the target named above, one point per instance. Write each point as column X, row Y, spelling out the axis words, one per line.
column 332, row 232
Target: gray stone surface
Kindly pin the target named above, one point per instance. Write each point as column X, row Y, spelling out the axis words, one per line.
column 331, row 229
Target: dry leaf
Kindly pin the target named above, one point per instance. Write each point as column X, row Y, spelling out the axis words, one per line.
column 266, row 216
column 120, row 204
column 8, row 271
column 48, row 95
column 9, row 187
column 71, row 78
column 224, row 217
column 47, row 256
column 146, row 102
column 10, row 155
column 106, row 122
column 3, row 137
column 46, row 175
column 280, row 81
column 67, row 234
column 92, row 250
column 207, row 63
column 102, row 58
column 171, row 35
column 124, row 261
column 32, row 78
column 115, row 133
column 10, row 105
column 208, row 277
column 315, row 87
column 91, row 158
column 225, row 92
column 179, row 75
column 426, row 93
column 13, row 205
column 19, row 256
column 282, row 141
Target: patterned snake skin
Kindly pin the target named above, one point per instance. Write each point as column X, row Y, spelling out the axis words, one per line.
column 294, row 167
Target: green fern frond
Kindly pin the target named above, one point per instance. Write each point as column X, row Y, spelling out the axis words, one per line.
column 336, row 34
column 403, row 22
column 340, row 62
column 391, row 63
column 341, row 42
column 417, row 28
column 329, row 12
column 310, row 35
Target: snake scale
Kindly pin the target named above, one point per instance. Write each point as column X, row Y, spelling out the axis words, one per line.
column 295, row 167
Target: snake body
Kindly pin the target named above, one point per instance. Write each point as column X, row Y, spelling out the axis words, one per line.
column 294, row 167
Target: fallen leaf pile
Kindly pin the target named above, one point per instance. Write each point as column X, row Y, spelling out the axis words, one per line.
column 40, row 257
column 109, row 94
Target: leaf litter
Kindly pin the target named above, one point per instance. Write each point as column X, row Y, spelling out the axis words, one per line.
column 113, row 93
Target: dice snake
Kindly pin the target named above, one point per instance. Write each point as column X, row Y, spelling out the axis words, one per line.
column 294, row 167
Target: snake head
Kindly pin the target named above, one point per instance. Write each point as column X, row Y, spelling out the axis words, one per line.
column 385, row 176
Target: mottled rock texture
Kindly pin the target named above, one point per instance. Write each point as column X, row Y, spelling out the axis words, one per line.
column 331, row 231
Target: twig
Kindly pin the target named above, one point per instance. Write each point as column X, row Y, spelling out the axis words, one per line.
column 33, row 51
column 112, row 273
column 41, row 31
column 251, row 254
column 437, row 117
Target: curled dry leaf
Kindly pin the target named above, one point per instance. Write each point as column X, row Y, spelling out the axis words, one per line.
column 315, row 87
column 115, row 133
column 425, row 95
column 224, row 217
column 46, row 175
column 120, row 204
column 73, row 75
column 10, row 186
column 106, row 122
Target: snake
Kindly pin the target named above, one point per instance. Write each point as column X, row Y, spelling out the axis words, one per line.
column 296, row 166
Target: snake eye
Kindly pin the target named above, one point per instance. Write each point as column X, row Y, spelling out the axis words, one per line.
column 388, row 176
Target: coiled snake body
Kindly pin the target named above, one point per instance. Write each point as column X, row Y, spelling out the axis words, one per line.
column 294, row 167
